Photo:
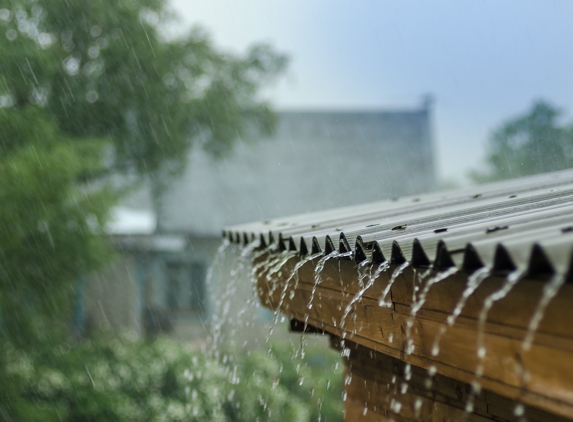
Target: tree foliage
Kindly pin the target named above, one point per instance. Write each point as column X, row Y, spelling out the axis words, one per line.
column 89, row 89
column 93, row 88
column 123, row 380
column 533, row 143
column 106, row 69
column 49, row 224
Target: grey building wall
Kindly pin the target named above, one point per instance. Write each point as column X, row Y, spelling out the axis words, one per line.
column 315, row 160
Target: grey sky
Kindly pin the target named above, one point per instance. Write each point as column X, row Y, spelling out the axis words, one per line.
column 483, row 61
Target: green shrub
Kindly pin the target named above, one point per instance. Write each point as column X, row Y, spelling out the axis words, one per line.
column 125, row 380
column 312, row 387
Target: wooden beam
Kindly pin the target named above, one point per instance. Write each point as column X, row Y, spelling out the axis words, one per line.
column 549, row 362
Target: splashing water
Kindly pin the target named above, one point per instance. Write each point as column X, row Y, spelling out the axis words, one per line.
column 399, row 270
column 474, row 281
column 510, row 282
column 363, row 272
column 416, row 306
column 549, row 292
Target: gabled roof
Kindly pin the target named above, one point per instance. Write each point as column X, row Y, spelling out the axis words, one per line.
column 521, row 224
column 315, row 160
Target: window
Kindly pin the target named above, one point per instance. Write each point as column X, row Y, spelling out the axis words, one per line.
column 186, row 287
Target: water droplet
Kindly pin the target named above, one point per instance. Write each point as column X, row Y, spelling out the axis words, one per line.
column 95, row 31
column 71, row 65
column 5, row 15
column 93, row 52
column 396, row 406
column 11, row 34
column 432, row 371
column 519, row 410
column 417, row 407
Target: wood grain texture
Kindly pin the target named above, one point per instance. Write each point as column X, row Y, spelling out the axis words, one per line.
column 376, row 382
column 541, row 378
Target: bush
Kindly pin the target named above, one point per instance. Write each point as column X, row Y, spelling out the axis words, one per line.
column 125, row 380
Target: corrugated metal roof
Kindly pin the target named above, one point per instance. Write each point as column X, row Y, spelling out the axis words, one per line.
column 524, row 224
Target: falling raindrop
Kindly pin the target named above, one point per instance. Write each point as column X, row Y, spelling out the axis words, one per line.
column 72, row 65
column 5, row 15
column 92, row 96
column 95, row 31
column 11, row 34
column 93, row 52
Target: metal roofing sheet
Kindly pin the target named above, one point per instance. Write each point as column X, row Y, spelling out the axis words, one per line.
column 524, row 224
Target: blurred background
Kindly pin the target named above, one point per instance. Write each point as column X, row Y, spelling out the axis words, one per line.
column 133, row 132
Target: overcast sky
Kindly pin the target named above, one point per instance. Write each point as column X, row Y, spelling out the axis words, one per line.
column 483, row 61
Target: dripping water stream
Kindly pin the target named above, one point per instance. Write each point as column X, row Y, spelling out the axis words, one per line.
column 318, row 273
column 256, row 271
column 474, row 281
column 549, row 291
column 395, row 274
column 394, row 405
column 510, row 282
column 219, row 256
column 419, row 303
column 276, row 267
column 293, row 274
column 318, row 269
column 222, row 306
column 372, row 277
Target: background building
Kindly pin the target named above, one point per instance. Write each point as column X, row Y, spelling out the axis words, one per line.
column 314, row 160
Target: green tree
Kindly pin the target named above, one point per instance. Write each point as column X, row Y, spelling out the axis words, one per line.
column 124, row 380
column 105, row 68
column 49, row 223
column 87, row 90
column 530, row 144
